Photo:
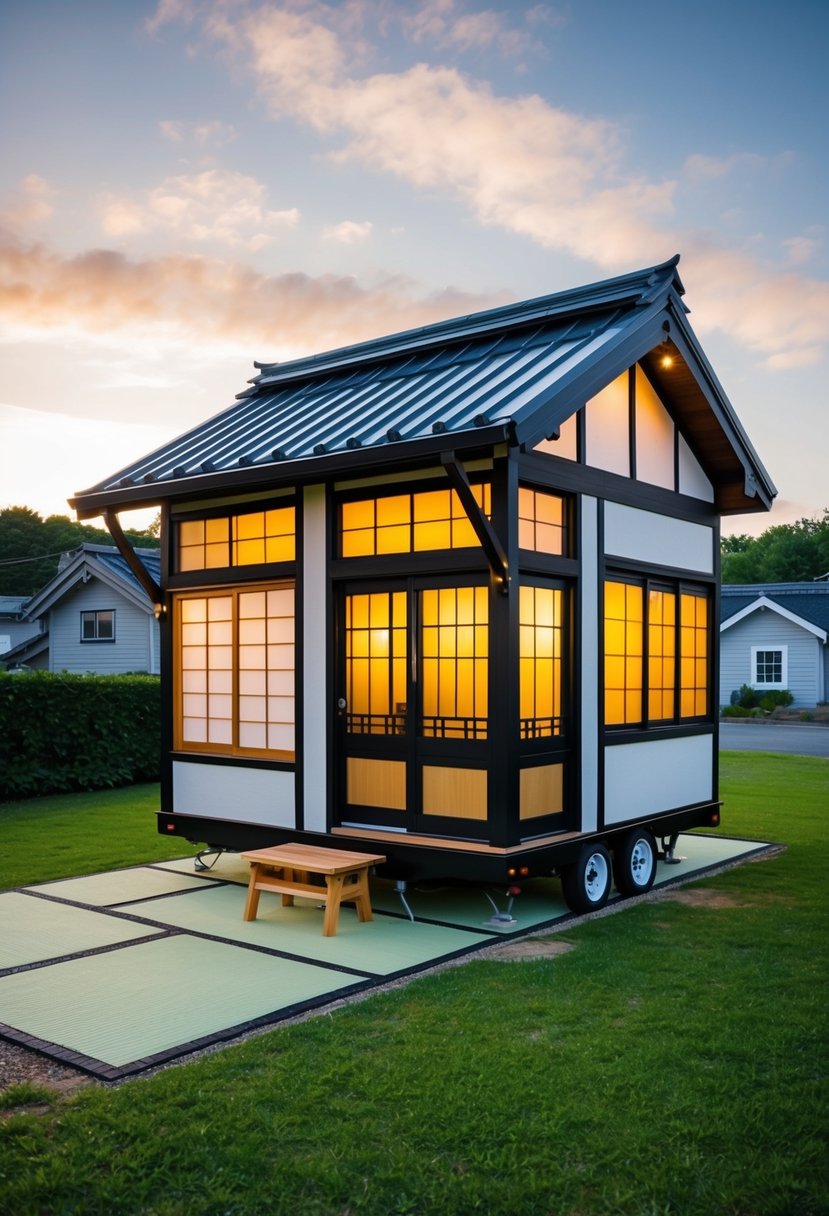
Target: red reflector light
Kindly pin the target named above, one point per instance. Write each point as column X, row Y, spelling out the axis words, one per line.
column 715, row 819
column 171, row 827
column 524, row 871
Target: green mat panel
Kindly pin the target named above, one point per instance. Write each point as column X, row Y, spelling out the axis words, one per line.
column 141, row 1002
column 119, row 886
column 33, row 929
column 381, row 946
column 132, row 1004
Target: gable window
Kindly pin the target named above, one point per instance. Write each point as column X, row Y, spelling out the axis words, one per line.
column 409, row 523
column 252, row 538
column 234, row 672
column 542, row 521
column 769, row 666
column 656, row 652
column 98, row 625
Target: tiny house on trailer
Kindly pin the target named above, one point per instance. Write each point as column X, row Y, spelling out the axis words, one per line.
column 452, row 595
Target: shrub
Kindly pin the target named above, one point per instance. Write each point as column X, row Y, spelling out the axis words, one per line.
column 774, row 698
column 62, row 732
column 747, row 697
column 735, row 711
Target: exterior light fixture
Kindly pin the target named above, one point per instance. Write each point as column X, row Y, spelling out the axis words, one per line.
column 666, row 359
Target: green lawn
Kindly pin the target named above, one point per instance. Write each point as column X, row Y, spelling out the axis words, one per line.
column 673, row 1062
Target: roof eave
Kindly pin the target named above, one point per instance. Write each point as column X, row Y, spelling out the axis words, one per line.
column 90, row 503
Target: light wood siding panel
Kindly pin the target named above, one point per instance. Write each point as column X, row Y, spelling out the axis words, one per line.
column 129, row 652
column 542, row 791
column 770, row 632
column 456, row 792
column 379, row 783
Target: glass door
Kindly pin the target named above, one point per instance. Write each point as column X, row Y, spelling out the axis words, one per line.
column 413, row 706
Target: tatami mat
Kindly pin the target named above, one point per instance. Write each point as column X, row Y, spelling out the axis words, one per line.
column 131, row 1005
column 34, row 929
column 117, row 972
column 120, row 886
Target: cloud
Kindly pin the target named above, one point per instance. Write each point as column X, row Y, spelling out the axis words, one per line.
column 561, row 179
column 30, row 204
column 441, row 22
column 210, row 133
column 216, row 205
column 203, row 301
column 349, row 232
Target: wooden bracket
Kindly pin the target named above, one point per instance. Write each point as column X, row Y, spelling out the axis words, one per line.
column 484, row 530
column 132, row 559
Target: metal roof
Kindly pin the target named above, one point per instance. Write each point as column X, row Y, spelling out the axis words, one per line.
column 509, row 374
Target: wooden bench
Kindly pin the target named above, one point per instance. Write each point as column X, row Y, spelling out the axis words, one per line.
column 285, row 869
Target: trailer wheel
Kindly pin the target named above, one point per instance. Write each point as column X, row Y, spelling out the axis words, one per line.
column 586, row 883
column 634, row 863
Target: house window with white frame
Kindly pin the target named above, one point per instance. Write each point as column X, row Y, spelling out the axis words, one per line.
column 98, row 625
column 769, row 666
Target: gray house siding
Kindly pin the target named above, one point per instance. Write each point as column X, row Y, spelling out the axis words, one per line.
column 136, row 634
column 768, row 630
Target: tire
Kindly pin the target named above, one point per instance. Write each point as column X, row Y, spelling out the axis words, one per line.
column 586, row 883
column 634, row 862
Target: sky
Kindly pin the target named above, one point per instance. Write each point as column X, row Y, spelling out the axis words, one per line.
column 187, row 186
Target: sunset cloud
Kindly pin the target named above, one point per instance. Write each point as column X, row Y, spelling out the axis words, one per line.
column 207, row 301
column 31, row 203
column 215, row 205
column 561, row 179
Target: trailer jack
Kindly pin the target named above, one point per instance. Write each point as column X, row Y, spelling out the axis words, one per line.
column 504, row 921
column 198, row 861
column 400, row 888
column 668, row 855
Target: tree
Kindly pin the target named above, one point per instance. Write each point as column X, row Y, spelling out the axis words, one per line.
column 785, row 553
column 30, row 546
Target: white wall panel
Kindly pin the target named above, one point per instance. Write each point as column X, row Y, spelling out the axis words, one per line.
column 692, row 479
column 646, row 537
column 315, row 643
column 654, row 436
column 658, row 775
column 235, row 793
column 589, row 664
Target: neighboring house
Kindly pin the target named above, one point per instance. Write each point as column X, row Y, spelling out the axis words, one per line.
column 94, row 616
column 449, row 595
column 14, row 627
column 774, row 636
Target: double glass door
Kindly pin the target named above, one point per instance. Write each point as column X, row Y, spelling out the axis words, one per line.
column 413, row 705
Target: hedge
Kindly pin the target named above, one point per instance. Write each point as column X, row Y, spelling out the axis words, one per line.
column 62, row 732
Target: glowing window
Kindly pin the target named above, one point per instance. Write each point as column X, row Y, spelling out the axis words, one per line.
column 408, row 523
column 541, row 633
column 375, row 663
column 541, row 521
column 624, row 641
column 693, row 655
column 252, row 538
column 454, row 641
column 234, row 672
column 661, row 654
column 670, row 644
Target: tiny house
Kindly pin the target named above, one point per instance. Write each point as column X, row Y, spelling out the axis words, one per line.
column 452, row 595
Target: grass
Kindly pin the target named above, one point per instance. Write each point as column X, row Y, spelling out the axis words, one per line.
column 672, row 1063
column 61, row 836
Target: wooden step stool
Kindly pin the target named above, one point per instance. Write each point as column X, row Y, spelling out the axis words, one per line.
column 285, row 868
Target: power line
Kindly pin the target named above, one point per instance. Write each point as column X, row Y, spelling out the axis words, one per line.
column 19, row 561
